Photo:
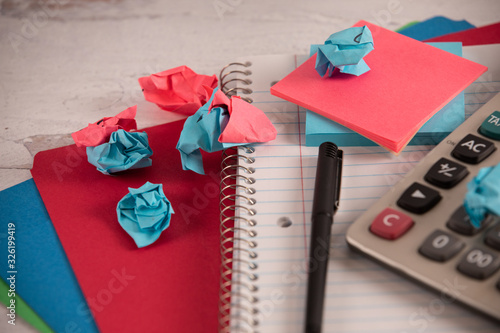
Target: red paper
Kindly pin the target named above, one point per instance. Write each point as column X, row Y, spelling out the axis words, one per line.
column 220, row 99
column 246, row 124
column 408, row 83
column 178, row 89
column 488, row 34
column 100, row 131
column 170, row 286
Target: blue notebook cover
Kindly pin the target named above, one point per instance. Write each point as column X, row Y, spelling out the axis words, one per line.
column 320, row 129
column 434, row 27
column 43, row 275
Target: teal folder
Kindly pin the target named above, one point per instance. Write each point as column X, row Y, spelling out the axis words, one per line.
column 43, row 276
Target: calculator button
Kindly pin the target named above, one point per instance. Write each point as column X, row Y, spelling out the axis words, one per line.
column 446, row 174
column 419, row 198
column 479, row 263
column 441, row 246
column 460, row 222
column 491, row 126
column 473, row 149
column 493, row 238
column 391, row 224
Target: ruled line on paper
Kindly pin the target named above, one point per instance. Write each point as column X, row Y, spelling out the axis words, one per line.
column 362, row 296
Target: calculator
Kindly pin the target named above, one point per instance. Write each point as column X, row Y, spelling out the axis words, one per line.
column 421, row 229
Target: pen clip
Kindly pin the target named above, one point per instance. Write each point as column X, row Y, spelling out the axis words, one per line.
column 340, row 156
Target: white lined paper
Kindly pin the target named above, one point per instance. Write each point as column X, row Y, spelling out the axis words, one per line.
column 361, row 295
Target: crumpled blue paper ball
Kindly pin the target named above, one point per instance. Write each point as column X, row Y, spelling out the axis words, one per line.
column 125, row 150
column 144, row 213
column 202, row 131
column 483, row 195
column 345, row 49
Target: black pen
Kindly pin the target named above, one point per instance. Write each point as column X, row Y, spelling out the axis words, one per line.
column 325, row 204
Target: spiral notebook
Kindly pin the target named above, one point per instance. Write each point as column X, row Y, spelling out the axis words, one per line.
column 155, row 289
column 265, row 243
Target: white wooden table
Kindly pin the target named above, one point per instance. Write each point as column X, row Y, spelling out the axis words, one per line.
column 65, row 63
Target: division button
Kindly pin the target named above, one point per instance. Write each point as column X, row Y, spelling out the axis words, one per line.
column 491, row 126
column 391, row 224
column 493, row 237
column 473, row 149
column 460, row 222
column 446, row 173
column 419, row 198
column 441, row 246
column 479, row 263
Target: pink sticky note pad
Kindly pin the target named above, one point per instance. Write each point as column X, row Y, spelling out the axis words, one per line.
column 408, row 83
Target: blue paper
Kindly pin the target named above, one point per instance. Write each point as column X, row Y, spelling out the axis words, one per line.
column 125, row 150
column 202, row 131
column 345, row 50
column 435, row 27
column 144, row 213
column 44, row 276
column 483, row 195
column 320, row 129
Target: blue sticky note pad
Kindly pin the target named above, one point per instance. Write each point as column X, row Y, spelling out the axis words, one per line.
column 320, row 129
column 43, row 275
column 435, row 27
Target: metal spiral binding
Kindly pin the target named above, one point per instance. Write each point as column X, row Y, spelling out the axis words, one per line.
column 237, row 305
column 224, row 80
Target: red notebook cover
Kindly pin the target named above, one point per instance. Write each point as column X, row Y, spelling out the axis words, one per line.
column 488, row 34
column 171, row 285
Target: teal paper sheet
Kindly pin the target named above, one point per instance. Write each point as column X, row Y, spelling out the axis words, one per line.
column 44, row 277
column 435, row 27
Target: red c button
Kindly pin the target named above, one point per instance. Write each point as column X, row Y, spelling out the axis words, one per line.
column 391, row 224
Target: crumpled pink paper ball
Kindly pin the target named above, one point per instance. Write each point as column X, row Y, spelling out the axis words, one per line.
column 100, row 131
column 178, row 89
